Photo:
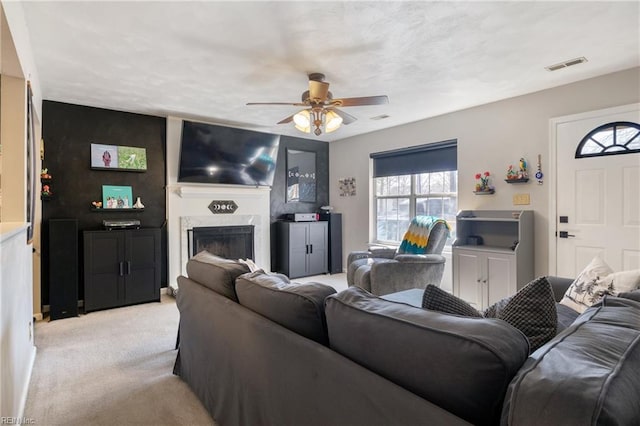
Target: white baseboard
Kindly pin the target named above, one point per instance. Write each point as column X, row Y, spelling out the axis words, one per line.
column 27, row 383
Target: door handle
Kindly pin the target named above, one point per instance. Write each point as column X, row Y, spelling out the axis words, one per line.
column 310, row 248
column 121, row 268
column 565, row 234
column 128, row 267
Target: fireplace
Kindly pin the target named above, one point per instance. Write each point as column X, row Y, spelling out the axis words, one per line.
column 230, row 242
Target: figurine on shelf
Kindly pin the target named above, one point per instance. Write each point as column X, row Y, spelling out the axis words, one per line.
column 483, row 184
column 522, row 173
column 138, row 204
column 511, row 174
column 96, row 204
column 44, row 174
column 46, row 191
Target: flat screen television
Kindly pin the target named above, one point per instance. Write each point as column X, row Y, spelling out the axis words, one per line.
column 226, row 155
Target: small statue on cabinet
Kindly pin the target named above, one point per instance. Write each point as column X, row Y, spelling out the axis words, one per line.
column 46, row 191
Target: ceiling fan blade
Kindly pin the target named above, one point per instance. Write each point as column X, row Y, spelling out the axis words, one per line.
column 277, row 103
column 289, row 119
column 318, row 90
column 365, row 100
column 346, row 118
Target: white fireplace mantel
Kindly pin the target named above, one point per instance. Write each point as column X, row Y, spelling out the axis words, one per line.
column 216, row 191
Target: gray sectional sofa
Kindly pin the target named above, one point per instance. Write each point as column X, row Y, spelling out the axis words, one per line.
column 259, row 350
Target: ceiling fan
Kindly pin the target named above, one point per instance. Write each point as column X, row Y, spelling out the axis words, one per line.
column 321, row 109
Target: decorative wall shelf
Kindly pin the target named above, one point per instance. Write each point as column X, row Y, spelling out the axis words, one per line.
column 492, row 191
column 523, row 180
column 115, row 210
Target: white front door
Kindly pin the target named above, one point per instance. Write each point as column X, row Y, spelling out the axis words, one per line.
column 597, row 198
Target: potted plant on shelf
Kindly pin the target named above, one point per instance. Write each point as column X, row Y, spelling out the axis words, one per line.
column 482, row 184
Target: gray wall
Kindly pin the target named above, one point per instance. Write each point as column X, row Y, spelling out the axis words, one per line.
column 490, row 137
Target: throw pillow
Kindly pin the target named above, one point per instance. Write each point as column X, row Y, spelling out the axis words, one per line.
column 436, row 299
column 532, row 310
column 595, row 281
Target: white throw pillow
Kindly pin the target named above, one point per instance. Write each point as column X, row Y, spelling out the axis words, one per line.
column 595, row 281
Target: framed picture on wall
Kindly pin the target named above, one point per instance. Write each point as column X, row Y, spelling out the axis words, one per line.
column 117, row 197
column 116, row 157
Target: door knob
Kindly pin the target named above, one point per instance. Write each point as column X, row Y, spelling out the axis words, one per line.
column 565, row 234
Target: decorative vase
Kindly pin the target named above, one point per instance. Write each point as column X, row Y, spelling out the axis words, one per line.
column 138, row 204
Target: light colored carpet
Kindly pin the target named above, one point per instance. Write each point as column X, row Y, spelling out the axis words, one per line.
column 111, row 367
column 337, row 281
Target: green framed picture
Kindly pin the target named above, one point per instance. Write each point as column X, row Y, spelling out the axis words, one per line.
column 115, row 157
column 117, row 197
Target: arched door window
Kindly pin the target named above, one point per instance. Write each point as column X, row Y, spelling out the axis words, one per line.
column 620, row 137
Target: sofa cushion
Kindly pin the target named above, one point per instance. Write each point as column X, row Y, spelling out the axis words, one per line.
column 595, row 281
column 217, row 273
column 461, row 364
column 587, row 375
column 298, row 307
column 531, row 310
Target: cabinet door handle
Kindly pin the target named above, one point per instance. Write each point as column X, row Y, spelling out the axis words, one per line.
column 484, row 281
column 306, row 249
column 121, row 268
column 310, row 248
column 128, row 267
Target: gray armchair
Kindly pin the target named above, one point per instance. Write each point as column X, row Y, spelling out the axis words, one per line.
column 383, row 271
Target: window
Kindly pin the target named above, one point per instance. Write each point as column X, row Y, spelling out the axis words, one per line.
column 420, row 180
column 400, row 198
column 621, row 137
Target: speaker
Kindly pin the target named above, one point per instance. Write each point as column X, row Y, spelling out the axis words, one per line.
column 335, row 241
column 63, row 268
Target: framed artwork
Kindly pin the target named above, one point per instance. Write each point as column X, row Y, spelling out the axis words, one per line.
column 116, row 157
column 347, row 187
column 117, row 197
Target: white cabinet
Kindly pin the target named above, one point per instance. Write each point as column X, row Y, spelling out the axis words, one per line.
column 492, row 255
column 483, row 277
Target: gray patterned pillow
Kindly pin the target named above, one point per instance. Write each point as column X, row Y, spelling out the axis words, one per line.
column 532, row 310
column 436, row 299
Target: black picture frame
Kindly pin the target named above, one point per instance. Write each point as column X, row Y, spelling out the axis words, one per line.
column 301, row 180
column 118, row 158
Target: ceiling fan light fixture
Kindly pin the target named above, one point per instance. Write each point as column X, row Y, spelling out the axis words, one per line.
column 332, row 121
column 302, row 119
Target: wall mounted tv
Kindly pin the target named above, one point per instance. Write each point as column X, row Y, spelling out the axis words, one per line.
column 226, row 155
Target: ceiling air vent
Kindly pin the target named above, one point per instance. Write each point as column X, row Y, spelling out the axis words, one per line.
column 380, row 117
column 565, row 64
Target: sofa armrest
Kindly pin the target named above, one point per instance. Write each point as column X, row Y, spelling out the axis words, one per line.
column 420, row 258
column 383, row 252
column 394, row 276
column 559, row 285
column 355, row 255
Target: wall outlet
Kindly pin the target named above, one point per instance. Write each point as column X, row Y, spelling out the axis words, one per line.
column 521, row 199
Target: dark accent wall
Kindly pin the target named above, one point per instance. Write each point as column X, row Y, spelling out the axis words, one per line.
column 279, row 205
column 68, row 132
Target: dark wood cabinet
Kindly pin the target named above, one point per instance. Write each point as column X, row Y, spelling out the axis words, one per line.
column 302, row 248
column 121, row 267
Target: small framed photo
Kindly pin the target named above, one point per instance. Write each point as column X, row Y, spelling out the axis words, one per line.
column 116, row 157
column 117, row 197
column 104, row 156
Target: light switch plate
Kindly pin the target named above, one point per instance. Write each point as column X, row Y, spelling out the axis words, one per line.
column 521, row 199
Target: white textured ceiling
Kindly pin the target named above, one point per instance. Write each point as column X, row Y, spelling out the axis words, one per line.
column 206, row 60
